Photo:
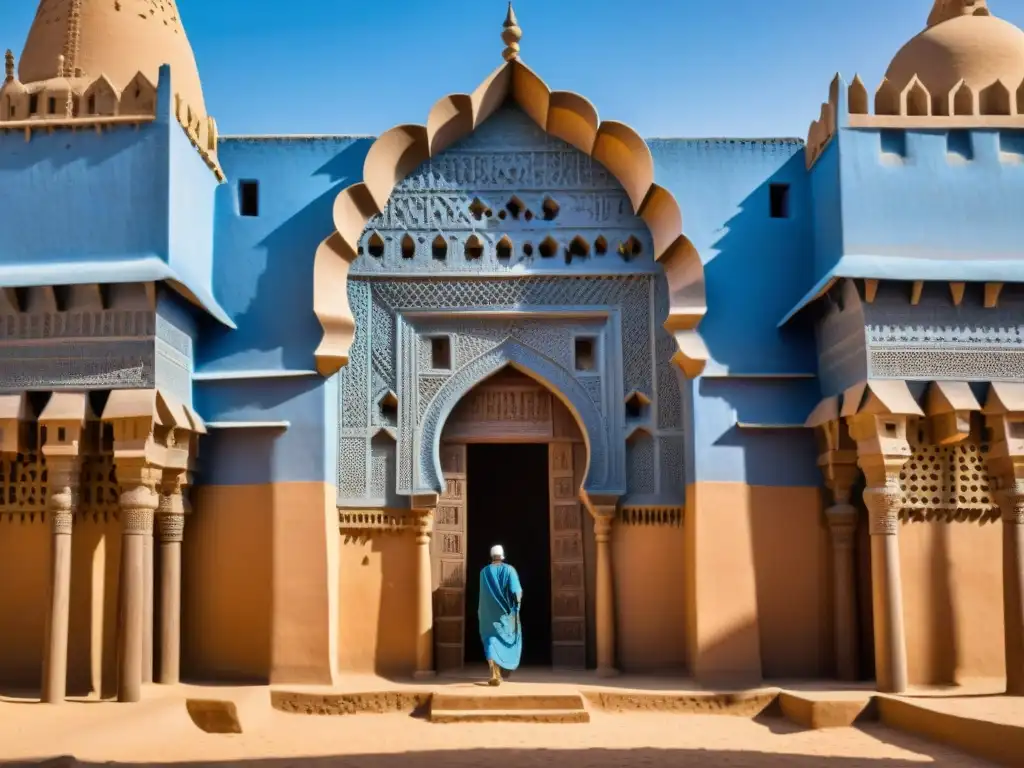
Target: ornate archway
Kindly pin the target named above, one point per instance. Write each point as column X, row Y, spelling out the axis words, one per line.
column 605, row 472
column 562, row 114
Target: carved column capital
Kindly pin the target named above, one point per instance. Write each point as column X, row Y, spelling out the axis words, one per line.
column 171, row 510
column 424, row 522
column 139, row 499
column 1011, row 502
column 603, row 524
column 62, row 481
column 842, row 524
column 884, row 504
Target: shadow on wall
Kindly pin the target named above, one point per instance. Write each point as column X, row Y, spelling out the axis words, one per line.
column 757, row 276
column 781, row 523
column 280, row 311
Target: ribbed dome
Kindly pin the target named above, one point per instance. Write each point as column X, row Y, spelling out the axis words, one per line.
column 116, row 38
column 978, row 49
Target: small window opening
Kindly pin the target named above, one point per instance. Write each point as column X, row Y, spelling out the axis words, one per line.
column 375, row 246
column 439, row 248
column 515, row 207
column 51, row 105
column 33, row 104
column 550, row 208
column 584, row 354
column 62, row 434
column 890, row 429
column 549, row 247
column 528, row 215
column 502, row 214
column 631, row 248
column 389, row 408
column 76, row 107
column 477, row 209
column 636, row 406
column 249, row 198
column 440, row 353
column 779, row 200
column 504, row 248
column 601, row 246
column 408, row 247
column 92, row 105
column 474, row 248
column 579, row 247
column 527, row 249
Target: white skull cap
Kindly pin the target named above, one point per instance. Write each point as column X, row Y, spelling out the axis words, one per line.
column 497, row 552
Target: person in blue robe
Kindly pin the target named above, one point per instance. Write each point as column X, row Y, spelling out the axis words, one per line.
column 501, row 631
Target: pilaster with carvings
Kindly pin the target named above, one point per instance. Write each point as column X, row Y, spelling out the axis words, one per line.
column 1004, row 414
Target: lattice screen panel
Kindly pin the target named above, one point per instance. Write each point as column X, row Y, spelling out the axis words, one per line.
column 946, row 481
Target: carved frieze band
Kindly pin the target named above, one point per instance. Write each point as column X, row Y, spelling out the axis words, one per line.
column 375, row 521
column 666, row 517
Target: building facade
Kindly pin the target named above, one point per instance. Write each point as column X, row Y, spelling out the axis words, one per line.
column 266, row 402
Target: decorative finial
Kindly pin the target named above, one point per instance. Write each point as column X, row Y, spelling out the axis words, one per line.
column 511, row 35
column 60, row 65
column 9, row 64
column 944, row 10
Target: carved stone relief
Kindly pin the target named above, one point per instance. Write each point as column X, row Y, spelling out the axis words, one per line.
column 932, row 340
column 447, row 258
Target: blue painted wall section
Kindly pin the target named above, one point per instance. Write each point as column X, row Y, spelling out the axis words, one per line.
column 116, row 211
column 754, row 265
column 263, row 269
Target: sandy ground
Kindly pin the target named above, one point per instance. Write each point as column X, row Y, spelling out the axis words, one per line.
column 159, row 732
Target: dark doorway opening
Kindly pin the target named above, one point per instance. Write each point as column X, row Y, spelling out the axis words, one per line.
column 508, row 505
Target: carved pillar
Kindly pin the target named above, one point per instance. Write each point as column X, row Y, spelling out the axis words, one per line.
column 62, row 474
column 424, row 596
column 147, row 606
column 604, row 604
column 139, row 501
column 842, row 525
column 171, row 527
column 838, row 463
column 1011, row 501
column 1004, row 412
column 882, row 450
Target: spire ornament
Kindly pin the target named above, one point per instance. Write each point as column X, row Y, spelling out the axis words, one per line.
column 511, row 35
column 9, row 64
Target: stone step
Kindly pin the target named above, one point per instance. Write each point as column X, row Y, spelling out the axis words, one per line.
column 509, row 716
column 492, row 700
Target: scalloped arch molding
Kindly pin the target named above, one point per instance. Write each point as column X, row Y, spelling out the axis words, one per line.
column 562, row 114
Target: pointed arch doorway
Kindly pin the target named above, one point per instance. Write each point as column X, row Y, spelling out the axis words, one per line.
column 513, row 459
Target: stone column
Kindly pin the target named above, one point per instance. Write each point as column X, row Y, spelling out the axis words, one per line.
column 171, row 527
column 884, row 500
column 62, row 481
column 424, row 595
column 1011, row 501
column 138, row 503
column 842, row 525
column 147, row 606
column 604, row 606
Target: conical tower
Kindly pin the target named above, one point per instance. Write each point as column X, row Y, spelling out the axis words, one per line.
column 82, row 40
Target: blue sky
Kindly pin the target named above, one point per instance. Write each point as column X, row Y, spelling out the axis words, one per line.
column 745, row 68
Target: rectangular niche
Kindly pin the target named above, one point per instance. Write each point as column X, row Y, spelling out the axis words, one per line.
column 440, row 353
column 585, row 354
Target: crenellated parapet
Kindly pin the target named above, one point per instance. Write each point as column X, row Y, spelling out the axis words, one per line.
column 914, row 107
column 73, row 100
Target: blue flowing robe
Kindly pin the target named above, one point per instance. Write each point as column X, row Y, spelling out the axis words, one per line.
column 498, row 613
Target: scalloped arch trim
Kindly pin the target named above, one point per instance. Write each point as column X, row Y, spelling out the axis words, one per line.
column 562, row 114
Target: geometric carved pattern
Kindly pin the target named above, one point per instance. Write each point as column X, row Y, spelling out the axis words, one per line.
column 449, row 556
column 946, row 482
column 568, row 612
column 22, row 486
column 606, row 455
column 464, row 232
